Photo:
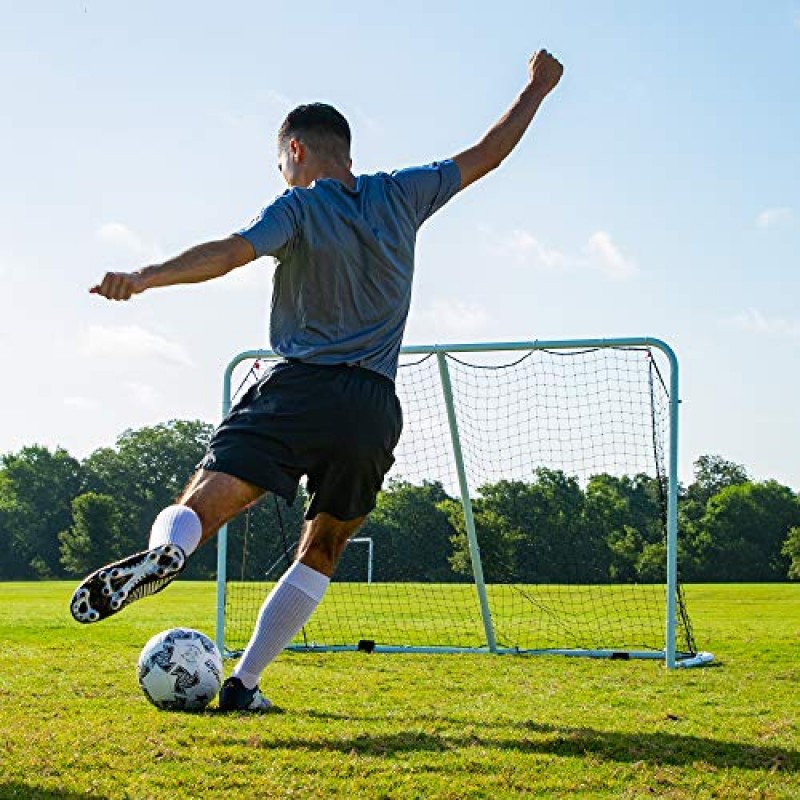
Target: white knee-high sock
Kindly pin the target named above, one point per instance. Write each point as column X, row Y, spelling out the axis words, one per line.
column 286, row 609
column 177, row 525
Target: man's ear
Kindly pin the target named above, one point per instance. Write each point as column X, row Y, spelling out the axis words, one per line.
column 297, row 150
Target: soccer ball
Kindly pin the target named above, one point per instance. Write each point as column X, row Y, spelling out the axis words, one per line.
column 180, row 670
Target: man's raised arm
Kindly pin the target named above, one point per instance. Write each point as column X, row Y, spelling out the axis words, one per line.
column 544, row 72
column 198, row 264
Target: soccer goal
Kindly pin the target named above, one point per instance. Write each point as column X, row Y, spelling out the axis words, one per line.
column 532, row 509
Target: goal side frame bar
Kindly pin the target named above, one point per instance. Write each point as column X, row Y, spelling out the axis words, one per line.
column 669, row 654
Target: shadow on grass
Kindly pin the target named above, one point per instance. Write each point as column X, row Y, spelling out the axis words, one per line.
column 23, row 790
column 656, row 748
column 214, row 711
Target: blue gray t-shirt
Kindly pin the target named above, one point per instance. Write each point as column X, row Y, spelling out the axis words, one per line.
column 345, row 263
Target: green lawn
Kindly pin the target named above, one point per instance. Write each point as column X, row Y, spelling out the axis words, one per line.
column 73, row 722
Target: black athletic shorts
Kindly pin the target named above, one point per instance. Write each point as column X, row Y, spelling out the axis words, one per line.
column 338, row 425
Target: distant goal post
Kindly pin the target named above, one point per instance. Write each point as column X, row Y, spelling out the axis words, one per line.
column 558, row 395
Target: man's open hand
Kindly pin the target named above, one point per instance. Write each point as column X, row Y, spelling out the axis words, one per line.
column 119, row 285
column 544, row 71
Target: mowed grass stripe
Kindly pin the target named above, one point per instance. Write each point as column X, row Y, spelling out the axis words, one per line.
column 73, row 722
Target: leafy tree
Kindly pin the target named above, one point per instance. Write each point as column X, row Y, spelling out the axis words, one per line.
column 92, row 537
column 743, row 530
column 713, row 473
column 37, row 488
column 146, row 471
column 607, row 514
column 548, row 513
column 497, row 542
column 624, row 520
column 13, row 564
column 791, row 550
column 651, row 563
column 411, row 533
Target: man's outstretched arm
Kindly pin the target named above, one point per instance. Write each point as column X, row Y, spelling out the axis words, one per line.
column 198, row 264
column 544, row 72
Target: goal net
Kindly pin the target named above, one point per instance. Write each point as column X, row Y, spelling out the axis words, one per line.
column 531, row 508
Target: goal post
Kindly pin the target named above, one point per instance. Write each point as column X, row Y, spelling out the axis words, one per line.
column 584, row 416
column 366, row 540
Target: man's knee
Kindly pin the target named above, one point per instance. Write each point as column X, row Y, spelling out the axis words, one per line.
column 217, row 497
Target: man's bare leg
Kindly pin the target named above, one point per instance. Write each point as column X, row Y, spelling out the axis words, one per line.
column 208, row 502
column 217, row 498
column 289, row 605
column 324, row 538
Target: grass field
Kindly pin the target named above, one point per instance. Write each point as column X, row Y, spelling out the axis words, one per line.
column 73, row 722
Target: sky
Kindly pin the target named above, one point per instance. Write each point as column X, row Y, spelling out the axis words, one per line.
column 657, row 193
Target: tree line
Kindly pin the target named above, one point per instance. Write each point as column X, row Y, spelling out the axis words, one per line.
column 61, row 517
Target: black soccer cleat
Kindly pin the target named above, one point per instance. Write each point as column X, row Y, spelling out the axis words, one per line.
column 235, row 696
column 117, row 585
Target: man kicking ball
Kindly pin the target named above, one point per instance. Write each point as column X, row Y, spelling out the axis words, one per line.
column 344, row 247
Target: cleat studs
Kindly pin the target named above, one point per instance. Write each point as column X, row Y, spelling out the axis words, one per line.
column 114, row 587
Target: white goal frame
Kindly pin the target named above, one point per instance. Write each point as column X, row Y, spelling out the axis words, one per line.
column 367, row 540
column 669, row 655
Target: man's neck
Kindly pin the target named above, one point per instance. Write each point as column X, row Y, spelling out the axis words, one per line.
column 316, row 169
column 336, row 173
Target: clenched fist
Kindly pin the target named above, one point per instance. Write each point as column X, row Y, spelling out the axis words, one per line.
column 119, row 285
column 544, row 71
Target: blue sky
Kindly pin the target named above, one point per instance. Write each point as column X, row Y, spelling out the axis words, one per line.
column 658, row 193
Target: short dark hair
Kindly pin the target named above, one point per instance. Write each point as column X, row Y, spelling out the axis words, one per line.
column 319, row 126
